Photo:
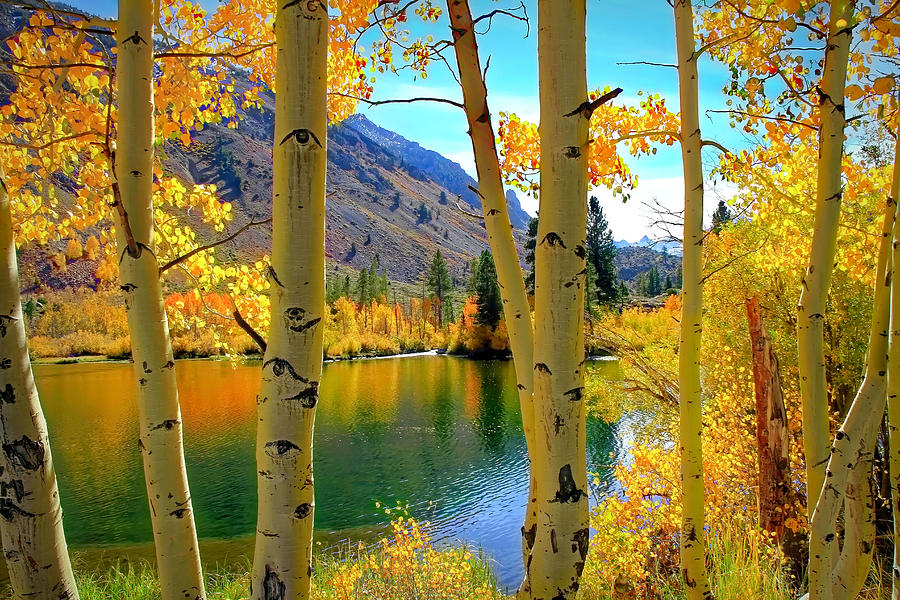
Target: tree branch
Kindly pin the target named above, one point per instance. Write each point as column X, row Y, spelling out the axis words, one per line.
column 586, row 109
column 398, row 100
column 197, row 250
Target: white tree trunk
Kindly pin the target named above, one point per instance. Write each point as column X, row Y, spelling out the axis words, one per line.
column 31, row 525
column 292, row 366
column 160, row 441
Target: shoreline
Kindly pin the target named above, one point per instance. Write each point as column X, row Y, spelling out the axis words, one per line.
column 99, row 358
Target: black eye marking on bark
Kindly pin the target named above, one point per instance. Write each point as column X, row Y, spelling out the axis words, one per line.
column 309, row 397
column 280, row 448
column 281, row 366
column 553, row 239
column 146, row 368
column 178, row 513
column 580, row 542
column 273, row 587
column 294, row 318
column 542, row 368
column 168, row 424
column 579, row 251
column 9, row 510
column 302, row 137
column 169, row 365
column 553, row 544
column 5, row 363
column 8, row 395
column 529, row 535
column 558, row 423
column 575, row 394
column 4, row 321
column 520, row 386
column 142, row 381
column 572, row 151
column 17, row 486
column 128, row 287
column 271, row 273
column 568, row 490
column 25, row 453
column 135, row 38
column 493, row 212
column 303, row 511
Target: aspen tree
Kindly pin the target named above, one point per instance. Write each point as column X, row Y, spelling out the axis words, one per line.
column 292, row 365
column 817, row 279
column 516, row 310
column 560, row 546
column 852, row 447
column 893, row 391
column 160, row 441
column 692, row 543
column 31, row 525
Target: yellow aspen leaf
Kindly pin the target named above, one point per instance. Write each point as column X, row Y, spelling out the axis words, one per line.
column 883, row 85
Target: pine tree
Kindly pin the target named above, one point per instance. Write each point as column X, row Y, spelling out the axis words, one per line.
column 601, row 254
column 530, row 243
column 668, row 285
column 347, row 289
column 679, row 278
column 654, row 286
column 440, row 283
column 362, row 287
column 484, row 285
column 721, row 217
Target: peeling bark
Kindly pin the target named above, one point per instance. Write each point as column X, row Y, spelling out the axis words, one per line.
column 772, row 436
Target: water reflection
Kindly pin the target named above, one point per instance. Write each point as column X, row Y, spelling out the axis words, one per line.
column 440, row 433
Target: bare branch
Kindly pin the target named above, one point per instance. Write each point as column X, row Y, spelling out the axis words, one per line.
column 248, row 329
column 764, row 117
column 647, row 63
column 398, row 100
column 509, row 13
column 586, row 109
column 715, row 144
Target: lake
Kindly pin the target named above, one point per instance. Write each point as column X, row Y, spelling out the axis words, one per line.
column 439, row 433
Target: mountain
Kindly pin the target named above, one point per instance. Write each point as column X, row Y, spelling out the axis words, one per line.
column 631, row 261
column 387, row 195
column 443, row 171
column 669, row 247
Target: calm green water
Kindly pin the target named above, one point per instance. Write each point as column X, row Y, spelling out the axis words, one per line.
column 440, row 433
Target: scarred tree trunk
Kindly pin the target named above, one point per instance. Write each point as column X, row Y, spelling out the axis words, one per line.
column 817, row 279
column 160, row 441
column 516, row 310
column 557, row 557
column 292, row 366
column 31, row 527
column 692, row 542
column 771, row 427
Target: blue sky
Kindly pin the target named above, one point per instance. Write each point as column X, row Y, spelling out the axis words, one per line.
column 617, row 31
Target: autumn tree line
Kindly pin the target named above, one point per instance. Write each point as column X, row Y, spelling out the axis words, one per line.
column 96, row 102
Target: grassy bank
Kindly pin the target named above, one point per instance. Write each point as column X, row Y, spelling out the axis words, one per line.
column 405, row 566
